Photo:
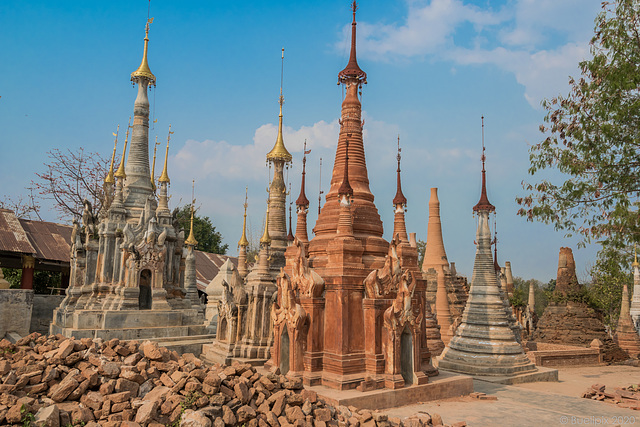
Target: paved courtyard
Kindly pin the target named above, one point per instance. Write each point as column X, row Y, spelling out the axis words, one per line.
column 539, row 404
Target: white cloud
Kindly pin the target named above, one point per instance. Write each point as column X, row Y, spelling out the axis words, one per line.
column 220, row 159
column 533, row 39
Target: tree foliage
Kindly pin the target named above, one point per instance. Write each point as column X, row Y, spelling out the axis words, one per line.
column 608, row 276
column 593, row 136
column 520, row 296
column 421, row 246
column 209, row 240
column 43, row 281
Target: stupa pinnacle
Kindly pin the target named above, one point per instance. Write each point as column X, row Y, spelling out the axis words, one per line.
column 279, row 156
column 484, row 344
column 399, row 203
column 302, row 203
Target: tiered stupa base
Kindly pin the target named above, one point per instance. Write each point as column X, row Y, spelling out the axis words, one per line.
column 109, row 324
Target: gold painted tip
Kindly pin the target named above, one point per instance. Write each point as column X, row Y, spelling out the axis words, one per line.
column 165, row 176
column 266, row 239
column 143, row 71
column 191, row 240
column 279, row 151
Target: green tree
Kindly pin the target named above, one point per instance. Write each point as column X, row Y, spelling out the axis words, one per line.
column 421, row 246
column 608, row 276
column 593, row 136
column 43, row 281
column 209, row 240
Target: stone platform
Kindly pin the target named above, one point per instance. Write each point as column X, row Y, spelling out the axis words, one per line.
column 444, row 386
column 143, row 324
column 548, row 354
column 541, row 375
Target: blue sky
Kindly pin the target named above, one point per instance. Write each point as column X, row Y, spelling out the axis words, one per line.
column 434, row 68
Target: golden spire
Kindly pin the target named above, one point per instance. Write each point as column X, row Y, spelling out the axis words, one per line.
column 266, row 239
column 192, row 240
column 279, row 151
column 143, row 70
column 110, row 179
column 243, row 240
column 165, row 176
column 120, row 172
column 635, row 262
column 153, row 168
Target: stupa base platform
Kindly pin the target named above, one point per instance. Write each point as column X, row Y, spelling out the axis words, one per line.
column 108, row 324
column 541, row 375
column 443, row 386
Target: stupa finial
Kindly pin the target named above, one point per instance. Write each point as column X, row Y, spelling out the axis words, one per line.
column 191, row 240
column 483, row 204
column 352, row 70
column 635, row 253
column 302, row 198
column 120, row 174
column 279, row 151
column 143, row 71
column 266, row 239
column 243, row 240
column 153, row 165
column 399, row 199
column 165, row 176
column 345, row 187
column 110, row 179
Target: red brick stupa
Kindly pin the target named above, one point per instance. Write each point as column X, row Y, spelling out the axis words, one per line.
column 344, row 311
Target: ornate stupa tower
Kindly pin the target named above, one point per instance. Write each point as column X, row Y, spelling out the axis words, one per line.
column 352, row 279
column 367, row 225
column 484, row 344
column 279, row 156
column 137, row 185
column 635, row 301
column 131, row 275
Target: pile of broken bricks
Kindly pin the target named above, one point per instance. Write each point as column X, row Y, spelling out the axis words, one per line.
column 56, row 381
column 625, row 397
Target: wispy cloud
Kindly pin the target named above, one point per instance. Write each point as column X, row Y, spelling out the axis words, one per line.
column 533, row 39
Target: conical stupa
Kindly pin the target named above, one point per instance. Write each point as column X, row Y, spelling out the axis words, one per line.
column 484, row 344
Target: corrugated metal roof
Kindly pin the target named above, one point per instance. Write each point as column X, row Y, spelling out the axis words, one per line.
column 13, row 237
column 208, row 265
column 51, row 241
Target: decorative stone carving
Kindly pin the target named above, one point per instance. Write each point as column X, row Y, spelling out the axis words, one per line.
column 382, row 282
column 402, row 321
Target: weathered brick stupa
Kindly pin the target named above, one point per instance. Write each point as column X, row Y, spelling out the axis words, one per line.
column 626, row 335
column 635, row 301
column 566, row 321
column 328, row 322
column 131, row 275
column 436, row 264
column 484, row 344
